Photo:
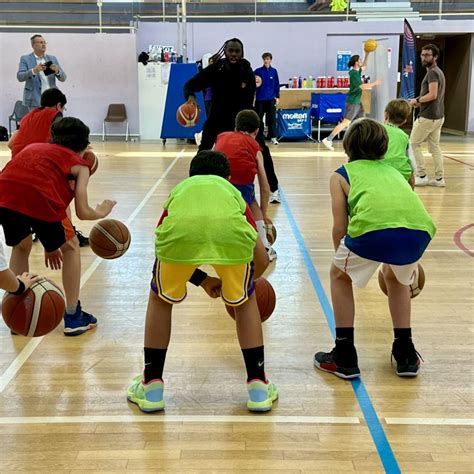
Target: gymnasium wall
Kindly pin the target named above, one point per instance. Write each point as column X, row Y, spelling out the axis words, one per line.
column 101, row 69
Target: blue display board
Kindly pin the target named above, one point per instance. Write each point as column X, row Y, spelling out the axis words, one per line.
column 179, row 75
column 294, row 124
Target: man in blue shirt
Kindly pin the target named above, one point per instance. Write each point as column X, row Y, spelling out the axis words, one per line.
column 268, row 94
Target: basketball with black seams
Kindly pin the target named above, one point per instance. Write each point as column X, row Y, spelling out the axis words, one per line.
column 415, row 288
column 109, row 239
column 37, row 311
column 187, row 115
column 266, row 299
column 92, row 161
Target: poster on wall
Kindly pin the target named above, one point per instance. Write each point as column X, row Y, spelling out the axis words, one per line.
column 342, row 62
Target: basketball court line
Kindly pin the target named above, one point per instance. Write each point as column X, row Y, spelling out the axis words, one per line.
column 165, row 418
column 374, row 425
column 458, row 240
column 469, row 165
column 26, row 352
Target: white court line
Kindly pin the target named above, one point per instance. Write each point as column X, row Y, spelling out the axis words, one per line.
column 161, row 418
column 430, row 421
column 23, row 356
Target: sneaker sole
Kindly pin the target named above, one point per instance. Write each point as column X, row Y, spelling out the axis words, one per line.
column 79, row 331
column 407, row 374
column 337, row 374
column 146, row 406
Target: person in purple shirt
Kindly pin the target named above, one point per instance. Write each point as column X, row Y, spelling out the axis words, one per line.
column 268, row 94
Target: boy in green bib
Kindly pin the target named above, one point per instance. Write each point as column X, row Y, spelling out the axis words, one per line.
column 377, row 219
column 399, row 153
column 205, row 222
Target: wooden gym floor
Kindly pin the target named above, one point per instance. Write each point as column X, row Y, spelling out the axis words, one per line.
column 62, row 400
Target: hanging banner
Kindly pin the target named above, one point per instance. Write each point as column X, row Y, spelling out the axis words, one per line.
column 407, row 86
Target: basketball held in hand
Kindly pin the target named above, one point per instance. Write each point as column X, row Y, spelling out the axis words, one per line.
column 92, row 161
column 266, row 299
column 415, row 287
column 370, row 46
column 187, row 115
column 109, row 239
column 37, row 311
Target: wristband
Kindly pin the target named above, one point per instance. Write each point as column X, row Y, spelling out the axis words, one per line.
column 20, row 290
column 197, row 277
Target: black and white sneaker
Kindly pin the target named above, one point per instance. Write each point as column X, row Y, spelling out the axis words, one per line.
column 407, row 358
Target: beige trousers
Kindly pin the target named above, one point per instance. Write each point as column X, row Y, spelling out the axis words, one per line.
column 427, row 130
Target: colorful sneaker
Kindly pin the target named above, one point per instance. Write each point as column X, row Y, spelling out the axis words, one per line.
column 274, row 197
column 437, row 182
column 261, row 395
column 347, row 370
column 407, row 359
column 79, row 322
column 422, row 180
column 328, row 144
column 148, row 396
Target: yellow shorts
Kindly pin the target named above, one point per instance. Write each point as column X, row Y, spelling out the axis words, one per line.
column 169, row 281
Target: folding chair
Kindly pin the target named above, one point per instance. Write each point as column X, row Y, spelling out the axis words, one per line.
column 19, row 111
column 116, row 113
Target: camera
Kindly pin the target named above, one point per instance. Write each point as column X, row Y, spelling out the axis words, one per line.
column 48, row 71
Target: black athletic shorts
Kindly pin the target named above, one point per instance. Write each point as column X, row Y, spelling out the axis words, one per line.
column 17, row 227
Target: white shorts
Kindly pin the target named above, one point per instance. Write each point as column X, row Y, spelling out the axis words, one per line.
column 361, row 269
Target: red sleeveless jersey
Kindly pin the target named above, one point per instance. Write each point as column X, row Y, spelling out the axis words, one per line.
column 241, row 151
column 35, row 127
column 36, row 182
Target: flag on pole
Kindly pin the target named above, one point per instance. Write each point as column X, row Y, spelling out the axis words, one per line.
column 407, row 86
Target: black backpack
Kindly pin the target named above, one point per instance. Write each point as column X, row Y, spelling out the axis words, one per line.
column 3, row 134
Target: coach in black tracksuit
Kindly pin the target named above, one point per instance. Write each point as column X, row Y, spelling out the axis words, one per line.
column 232, row 81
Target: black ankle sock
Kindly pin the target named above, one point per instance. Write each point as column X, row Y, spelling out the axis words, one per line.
column 402, row 335
column 345, row 336
column 254, row 363
column 154, row 363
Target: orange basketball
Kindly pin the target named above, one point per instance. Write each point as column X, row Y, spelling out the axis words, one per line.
column 109, row 238
column 370, row 45
column 37, row 311
column 92, row 161
column 271, row 231
column 187, row 115
column 266, row 299
column 415, row 287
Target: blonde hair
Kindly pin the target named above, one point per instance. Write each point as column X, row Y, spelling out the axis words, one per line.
column 398, row 111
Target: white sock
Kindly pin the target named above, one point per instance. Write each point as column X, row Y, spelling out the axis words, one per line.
column 262, row 233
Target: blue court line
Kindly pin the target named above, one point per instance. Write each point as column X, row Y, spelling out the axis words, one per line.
column 373, row 423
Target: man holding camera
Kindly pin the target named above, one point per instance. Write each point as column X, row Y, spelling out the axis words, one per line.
column 39, row 72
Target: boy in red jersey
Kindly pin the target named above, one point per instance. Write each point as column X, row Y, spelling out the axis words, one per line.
column 246, row 161
column 35, row 193
column 35, row 127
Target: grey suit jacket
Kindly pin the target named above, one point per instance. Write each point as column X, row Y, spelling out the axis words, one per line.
column 32, row 91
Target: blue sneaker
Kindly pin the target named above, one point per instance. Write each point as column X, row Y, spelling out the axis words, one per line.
column 261, row 395
column 79, row 322
column 148, row 396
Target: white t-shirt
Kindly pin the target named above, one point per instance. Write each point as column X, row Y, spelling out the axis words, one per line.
column 44, row 80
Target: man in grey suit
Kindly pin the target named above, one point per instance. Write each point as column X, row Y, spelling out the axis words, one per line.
column 39, row 72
